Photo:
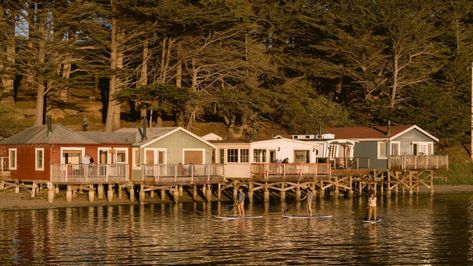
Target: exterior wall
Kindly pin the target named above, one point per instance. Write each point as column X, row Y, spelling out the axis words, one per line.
column 25, row 163
column 284, row 149
column 407, row 138
column 233, row 169
column 369, row 149
column 175, row 145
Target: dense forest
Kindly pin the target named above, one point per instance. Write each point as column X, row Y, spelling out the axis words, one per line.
column 301, row 64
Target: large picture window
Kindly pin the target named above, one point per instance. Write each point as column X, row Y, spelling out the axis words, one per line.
column 232, row 155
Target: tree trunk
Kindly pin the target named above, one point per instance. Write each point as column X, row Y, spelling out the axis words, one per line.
column 144, row 75
column 395, row 85
column 179, row 67
column 40, row 87
column 113, row 109
column 7, row 95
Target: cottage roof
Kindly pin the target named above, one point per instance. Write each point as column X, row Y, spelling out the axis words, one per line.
column 151, row 133
column 376, row 132
column 39, row 135
column 109, row 138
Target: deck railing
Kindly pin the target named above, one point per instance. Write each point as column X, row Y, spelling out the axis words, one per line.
column 89, row 174
column 176, row 173
column 350, row 162
column 290, row 169
column 412, row 162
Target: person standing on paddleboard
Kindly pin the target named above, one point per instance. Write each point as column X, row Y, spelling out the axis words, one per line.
column 241, row 202
column 372, row 207
column 308, row 196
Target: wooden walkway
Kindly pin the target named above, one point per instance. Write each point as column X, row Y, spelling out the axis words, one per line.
column 208, row 182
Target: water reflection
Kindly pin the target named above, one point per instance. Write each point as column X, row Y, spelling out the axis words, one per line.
column 414, row 230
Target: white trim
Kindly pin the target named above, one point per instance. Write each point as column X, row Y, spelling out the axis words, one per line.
column 429, row 144
column 399, row 147
column 418, row 128
column 117, row 149
column 81, row 149
column 14, row 167
column 36, row 159
column 378, row 156
column 175, row 130
column 155, row 155
column 202, row 150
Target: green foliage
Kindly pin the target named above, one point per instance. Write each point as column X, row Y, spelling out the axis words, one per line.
column 457, row 174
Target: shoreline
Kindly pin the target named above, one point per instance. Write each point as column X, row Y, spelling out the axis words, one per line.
column 10, row 201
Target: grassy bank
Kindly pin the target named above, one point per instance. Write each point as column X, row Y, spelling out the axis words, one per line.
column 457, row 174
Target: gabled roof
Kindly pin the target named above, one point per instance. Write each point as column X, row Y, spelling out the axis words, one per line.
column 156, row 133
column 109, row 138
column 39, row 135
column 376, row 132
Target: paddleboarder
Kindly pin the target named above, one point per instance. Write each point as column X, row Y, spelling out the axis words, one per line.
column 241, row 202
column 372, row 207
column 308, row 196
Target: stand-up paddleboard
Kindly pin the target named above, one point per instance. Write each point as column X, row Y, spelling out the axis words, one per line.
column 372, row 221
column 304, row 216
column 236, row 217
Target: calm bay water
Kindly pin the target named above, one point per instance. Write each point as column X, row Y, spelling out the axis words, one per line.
column 417, row 230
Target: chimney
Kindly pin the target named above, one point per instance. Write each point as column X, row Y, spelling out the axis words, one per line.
column 49, row 125
column 145, row 125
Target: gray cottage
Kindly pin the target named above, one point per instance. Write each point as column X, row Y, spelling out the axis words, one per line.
column 168, row 151
column 399, row 146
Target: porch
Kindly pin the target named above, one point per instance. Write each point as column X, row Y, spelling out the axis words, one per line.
column 423, row 162
column 89, row 174
column 181, row 174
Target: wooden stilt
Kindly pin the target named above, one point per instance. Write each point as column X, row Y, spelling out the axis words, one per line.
column 195, row 193
column 132, row 193
column 219, row 192
column 350, row 185
column 181, row 190
column 51, row 192
column 33, row 189
column 266, row 192
column 120, row 192
column 100, row 191
column 69, row 194
column 322, row 190
column 110, row 193
column 142, row 194
column 411, row 192
column 163, row 194
column 337, row 189
column 298, row 191
column 250, row 191
column 175, row 194
column 283, row 191
column 235, row 191
column 91, row 193
column 431, row 190
column 17, row 188
column 209, row 193
column 152, row 194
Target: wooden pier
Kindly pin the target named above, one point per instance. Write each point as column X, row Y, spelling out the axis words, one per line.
column 267, row 181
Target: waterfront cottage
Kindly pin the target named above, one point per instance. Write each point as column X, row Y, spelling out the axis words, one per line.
column 168, row 152
column 55, row 153
column 399, row 146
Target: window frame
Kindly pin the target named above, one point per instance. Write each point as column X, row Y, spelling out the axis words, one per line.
column 12, row 164
column 36, row 167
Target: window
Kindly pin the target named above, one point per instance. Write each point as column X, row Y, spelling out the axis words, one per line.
column 422, row 148
column 221, row 153
column 382, row 150
column 136, row 158
column 121, row 156
column 395, row 148
column 154, row 156
column 12, row 159
column 332, row 151
column 232, row 155
column 259, row 156
column 301, row 156
column 244, row 155
column 71, row 155
column 39, row 159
